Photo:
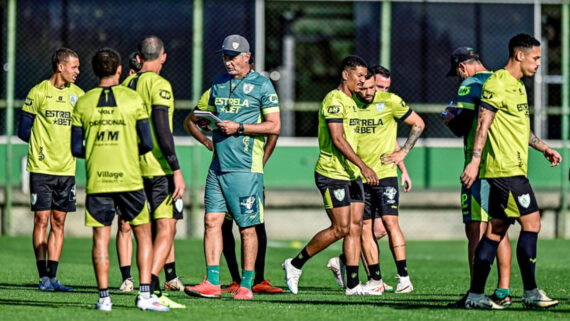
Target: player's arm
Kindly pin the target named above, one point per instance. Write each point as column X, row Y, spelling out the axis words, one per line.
column 417, row 126
column 271, row 125
column 405, row 177
column 484, row 121
column 192, row 129
column 269, row 147
column 77, row 148
column 25, row 127
column 337, row 136
column 145, row 136
column 165, row 142
column 550, row 154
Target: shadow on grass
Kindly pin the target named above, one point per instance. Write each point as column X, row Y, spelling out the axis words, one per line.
column 52, row 304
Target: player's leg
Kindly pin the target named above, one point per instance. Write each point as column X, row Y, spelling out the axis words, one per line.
column 230, row 254
column 41, row 195
column 124, row 246
column 351, row 246
column 172, row 281
column 379, row 229
column 249, row 245
column 262, row 285
column 502, row 294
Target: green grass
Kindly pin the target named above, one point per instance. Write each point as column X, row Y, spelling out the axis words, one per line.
column 438, row 271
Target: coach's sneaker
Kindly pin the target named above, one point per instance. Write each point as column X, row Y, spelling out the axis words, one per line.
column 292, row 276
column 165, row 300
column 104, row 304
column 232, row 288
column 360, row 289
column 58, row 286
column 243, row 293
column 481, row 301
column 174, row 285
column 45, row 284
column 150, row 303
column 127, row 286
column 537, row 299
column 204, row 290
column 338, row 268
column 375, row 286
column 404, row 284
column 266, row 287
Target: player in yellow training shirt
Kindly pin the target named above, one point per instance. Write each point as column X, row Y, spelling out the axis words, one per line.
column 111, row 119
column 502, row 159
column 164, row 183
column 45, row 123
column 338, row 176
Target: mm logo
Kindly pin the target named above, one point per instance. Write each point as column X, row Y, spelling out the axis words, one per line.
column 107, row 135
column 464, row 91
column 165, row 94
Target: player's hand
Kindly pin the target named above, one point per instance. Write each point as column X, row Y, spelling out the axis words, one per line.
column 179, row 185
column 394, row 158
column 369, row 175
column 203, row 124
column 469, row 175
column 209, row 144
column 406, row 181
column 228, row 127
column 552, row 156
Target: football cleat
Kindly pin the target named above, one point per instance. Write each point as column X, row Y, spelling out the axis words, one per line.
column 404, row 285
column 481, row 301
column 375, row 286
column 504, row 301
column 338, row 269
column 104, row 304
column 459, row 303
column 45, row 284
column 127, row 285
column 167, row 302
column 150, row 303
column 292, row 275
column 537, row 299
column 232, row 288
column 58, row 286
column 361, row 289
column 266, row 287
column 174, row 285
column 204, row 290
column 243, row 293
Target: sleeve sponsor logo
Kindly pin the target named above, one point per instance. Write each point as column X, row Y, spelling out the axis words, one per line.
column 165, row 94
column 273, row 99
column 464, row 91
column 334, row 109
column 487, row 94
column 403, row 103
column 29, row 101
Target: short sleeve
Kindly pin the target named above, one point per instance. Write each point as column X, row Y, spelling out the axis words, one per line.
column 468, row 96
column 269, row 99
column 76, row 119
column 33, row 101
column 161, row 94
column 490, row 97
column 400, row 109
column 333, row 109
column 203, row 103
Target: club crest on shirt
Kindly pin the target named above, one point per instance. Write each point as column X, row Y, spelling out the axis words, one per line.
column 524, row 200
column 380, row 107
column 247, row 88
column 339, row 194
column 73, row 99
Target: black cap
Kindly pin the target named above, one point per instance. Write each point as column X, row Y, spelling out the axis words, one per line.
column 460, row 55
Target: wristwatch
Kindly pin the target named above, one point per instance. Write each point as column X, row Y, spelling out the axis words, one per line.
column 240, row 129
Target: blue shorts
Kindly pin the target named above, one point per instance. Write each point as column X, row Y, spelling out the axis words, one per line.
column 239, row 194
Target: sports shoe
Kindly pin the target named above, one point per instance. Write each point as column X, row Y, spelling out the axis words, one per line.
column 45, row 284
column 266, row 287
column 232, row 288
column 360, row 289
column 505, row 301
column 404, row 284
column 104, row 304
column 292, row 275
column 388, row 288
column 204, row 290
column 150, row 304
column 174, row 285
column 537, row 299
column 127, row 285
column 243, row 293
column 481, row 301
column 58, row 286
column 459, row 303
column 165, row 300
column 375, row 286
column 338, row 269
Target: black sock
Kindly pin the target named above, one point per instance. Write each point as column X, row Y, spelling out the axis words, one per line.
column 42, row 268
column 301, row 259
column 104, row 293
column 144, row 288
column 170, row 271
column 402, row 268
column 526, row 256
column 352, row 276
column 261, row 249
column 155, row 285
column 482, row 262
column 375, row 273
column 342, row 258
column 125, row 271
column 230, row 250
column 52, row 268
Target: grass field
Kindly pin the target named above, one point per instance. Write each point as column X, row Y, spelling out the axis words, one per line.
column 438, row 271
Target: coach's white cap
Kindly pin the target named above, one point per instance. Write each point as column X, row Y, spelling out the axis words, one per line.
column 234, row 45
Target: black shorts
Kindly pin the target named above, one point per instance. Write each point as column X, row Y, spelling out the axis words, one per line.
column 382, row 199
column 511, row 197
column 339, row 193
column 100, row 209
column 52, row 192
column 158, row 190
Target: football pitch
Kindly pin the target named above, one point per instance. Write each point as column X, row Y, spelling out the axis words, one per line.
column 438, row 272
